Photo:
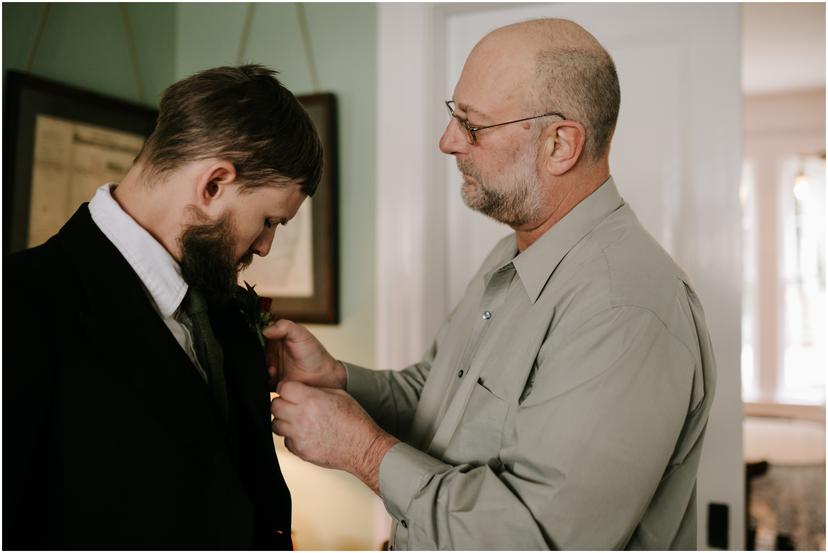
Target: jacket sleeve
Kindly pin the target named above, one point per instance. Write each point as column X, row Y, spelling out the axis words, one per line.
column 581, row 455
column 30, row 324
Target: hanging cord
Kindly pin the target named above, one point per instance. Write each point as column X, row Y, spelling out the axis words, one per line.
column 44, row 16
column 303, row 25
column 248, row 20
column 133, row 53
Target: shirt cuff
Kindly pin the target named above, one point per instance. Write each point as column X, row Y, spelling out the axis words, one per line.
column 404, row 471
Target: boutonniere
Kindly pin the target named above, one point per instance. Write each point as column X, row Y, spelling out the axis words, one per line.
column 256, row 311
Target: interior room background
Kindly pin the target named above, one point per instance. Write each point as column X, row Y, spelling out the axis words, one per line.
column 133, row 51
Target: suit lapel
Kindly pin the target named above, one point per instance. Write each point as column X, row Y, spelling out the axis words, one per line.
column 122, row 315
column 244, row 364
column 118, row 306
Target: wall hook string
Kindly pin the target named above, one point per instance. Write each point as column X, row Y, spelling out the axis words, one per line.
column 303, row 26
column 38, row 35
column 133, row 52
column 245, row 35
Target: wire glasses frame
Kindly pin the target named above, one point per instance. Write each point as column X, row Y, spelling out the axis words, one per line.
column 471, row 131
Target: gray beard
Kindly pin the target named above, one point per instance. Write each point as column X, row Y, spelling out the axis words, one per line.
column 515, row 204
column 514, row 208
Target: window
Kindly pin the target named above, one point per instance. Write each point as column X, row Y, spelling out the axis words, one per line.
column 792, row 371
column 803, row 221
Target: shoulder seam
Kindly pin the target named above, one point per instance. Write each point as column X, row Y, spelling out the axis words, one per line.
column 638, row 308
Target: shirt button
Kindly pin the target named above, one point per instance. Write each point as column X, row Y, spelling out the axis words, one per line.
column 487, row 315
column 460, row 373
column 404, row 524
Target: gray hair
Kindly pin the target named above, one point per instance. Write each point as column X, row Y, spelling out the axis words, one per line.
column 583, row 85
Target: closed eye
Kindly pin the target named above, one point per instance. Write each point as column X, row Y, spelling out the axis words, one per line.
column 270, row 222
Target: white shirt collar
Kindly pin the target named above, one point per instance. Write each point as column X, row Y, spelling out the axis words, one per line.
column 158, row 270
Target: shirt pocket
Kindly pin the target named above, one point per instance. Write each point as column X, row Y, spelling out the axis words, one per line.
column 478, row 437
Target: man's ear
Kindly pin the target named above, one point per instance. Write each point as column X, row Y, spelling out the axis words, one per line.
column 562, row 146
column 213, row 183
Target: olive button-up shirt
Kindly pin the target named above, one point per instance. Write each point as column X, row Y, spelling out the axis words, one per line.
column 562, row 404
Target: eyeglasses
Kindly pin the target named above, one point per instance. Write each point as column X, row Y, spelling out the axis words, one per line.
column 471, row 131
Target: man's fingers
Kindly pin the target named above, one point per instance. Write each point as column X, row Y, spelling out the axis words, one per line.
column 280, row 427
column 293, row 390
column 282, row 329
column 282, row 409
column 279, row 329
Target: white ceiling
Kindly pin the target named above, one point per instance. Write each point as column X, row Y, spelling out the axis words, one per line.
column 783, row 47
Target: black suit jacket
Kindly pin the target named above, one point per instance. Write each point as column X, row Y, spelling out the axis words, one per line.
column 111, row 438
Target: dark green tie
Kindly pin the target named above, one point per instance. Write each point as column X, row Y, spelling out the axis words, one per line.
column 208, row 349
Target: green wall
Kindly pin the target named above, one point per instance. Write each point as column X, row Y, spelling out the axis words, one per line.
column 86, row 45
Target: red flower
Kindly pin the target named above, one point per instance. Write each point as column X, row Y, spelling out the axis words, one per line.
column 256, row 310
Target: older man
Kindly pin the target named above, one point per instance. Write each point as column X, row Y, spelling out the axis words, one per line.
column 564, row 401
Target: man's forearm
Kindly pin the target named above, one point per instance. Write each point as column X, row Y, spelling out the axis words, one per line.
column 368, row 469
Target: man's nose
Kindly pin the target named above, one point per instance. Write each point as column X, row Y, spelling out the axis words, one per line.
column 261, row 246
column 453, row 141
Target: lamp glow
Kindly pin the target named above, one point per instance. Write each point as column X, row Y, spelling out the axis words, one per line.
column 800, row 188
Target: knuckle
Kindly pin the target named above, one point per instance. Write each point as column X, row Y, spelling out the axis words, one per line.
column 287, row 388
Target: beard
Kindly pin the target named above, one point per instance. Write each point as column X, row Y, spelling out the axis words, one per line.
column 512, row 198
column 208, row 261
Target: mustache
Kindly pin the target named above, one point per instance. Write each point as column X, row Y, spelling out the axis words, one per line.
column 466, row 168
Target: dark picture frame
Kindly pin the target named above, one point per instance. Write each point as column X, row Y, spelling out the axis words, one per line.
column 26, row 98
column 323, row 306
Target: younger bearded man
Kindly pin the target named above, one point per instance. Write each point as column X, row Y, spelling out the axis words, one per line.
column 136, row 404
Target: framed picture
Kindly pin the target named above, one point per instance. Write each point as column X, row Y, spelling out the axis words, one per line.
column 301, row 272
column 61, row 143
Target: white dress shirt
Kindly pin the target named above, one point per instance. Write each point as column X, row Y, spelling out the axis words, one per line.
column 159, row 272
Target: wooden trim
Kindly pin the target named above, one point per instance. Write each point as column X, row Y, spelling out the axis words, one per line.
column 28, row 96
column 323, row 306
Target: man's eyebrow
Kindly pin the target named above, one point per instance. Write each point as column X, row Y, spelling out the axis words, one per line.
column 283, row 222
column 466, row 108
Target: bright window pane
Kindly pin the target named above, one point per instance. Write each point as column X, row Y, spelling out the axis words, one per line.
column 803, row 204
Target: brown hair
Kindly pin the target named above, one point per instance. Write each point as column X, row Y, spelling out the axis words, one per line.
column 241, row 114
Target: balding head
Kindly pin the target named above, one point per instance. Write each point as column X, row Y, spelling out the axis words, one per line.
column 556, row 65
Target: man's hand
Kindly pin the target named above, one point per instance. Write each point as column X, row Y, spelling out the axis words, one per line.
column 328, row 428
column 294, row 354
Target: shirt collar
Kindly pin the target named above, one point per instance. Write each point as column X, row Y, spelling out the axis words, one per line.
column 536, row 263
column 158, row 270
